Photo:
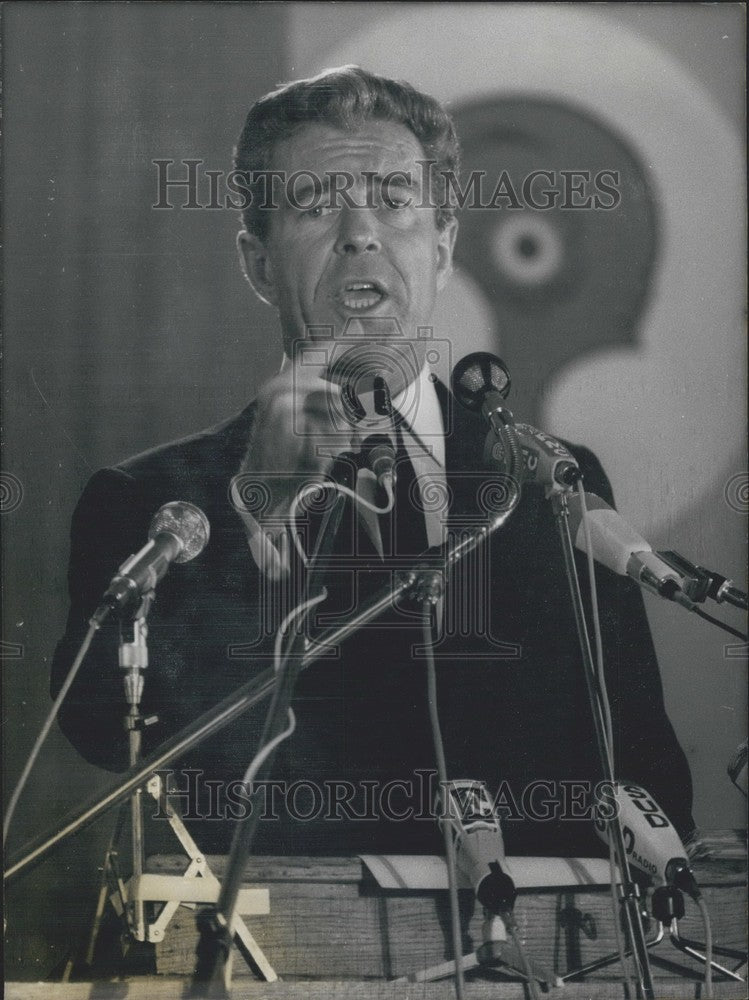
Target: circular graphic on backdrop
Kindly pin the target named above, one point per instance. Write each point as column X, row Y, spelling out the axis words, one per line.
column 558, row 228
column 660, row 399
column 528, row 250
column 690, row 308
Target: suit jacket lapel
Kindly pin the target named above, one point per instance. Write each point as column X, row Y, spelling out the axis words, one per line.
column 465, row 433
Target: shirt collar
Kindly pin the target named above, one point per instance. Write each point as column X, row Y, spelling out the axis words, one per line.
column 419, row 406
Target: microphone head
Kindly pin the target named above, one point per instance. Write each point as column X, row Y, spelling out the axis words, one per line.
column 654, row 845
column 363, row 382
column 186, row 522
column 477, row 374
column 376, row 441
column 382, row 402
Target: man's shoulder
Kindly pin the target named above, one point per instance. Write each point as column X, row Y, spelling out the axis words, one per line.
column 196, row 468
column 217, row 449
column 595, row 479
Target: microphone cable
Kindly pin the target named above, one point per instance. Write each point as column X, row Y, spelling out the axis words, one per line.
column 716, row 621
column 602, row 692
column 603, row 700
column 93, row 628
column 439, row 753
column 452, row 876
column 708, row 947
column 316, row 488
column 262, row 754
column 512, row 927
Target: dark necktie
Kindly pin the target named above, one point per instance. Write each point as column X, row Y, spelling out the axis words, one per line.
column 410, row 536
column 402, row 530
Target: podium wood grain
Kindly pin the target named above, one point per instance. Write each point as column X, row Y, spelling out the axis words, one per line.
column 168, row 988
column 330, row 920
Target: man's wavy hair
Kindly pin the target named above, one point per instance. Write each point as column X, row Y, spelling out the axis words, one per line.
column 346, row 98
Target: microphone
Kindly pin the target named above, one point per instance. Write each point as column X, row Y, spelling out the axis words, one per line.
column 705, row 582
column 377, row 451
column 625, row 552
column 179, row 531
column 479, row 847
column 347, row 463
column 652, row 844
column 378, row 454
column 481, row 383
column 344, row 468
column 547, row 461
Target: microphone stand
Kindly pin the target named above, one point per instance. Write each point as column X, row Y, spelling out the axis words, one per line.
column 630, row 893
column 211, row 977
column 240, row 701
column 133, row 658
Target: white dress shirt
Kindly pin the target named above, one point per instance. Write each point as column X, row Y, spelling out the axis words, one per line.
column 423, row 434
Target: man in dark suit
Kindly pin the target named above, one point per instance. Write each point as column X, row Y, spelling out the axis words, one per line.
column 352, row 247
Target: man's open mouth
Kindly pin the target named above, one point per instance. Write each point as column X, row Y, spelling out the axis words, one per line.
column 361, row 295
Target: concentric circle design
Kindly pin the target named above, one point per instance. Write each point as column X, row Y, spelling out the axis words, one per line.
column 355, row 366
column 430, row 495
column 498, row 494
column 736, row 492
column 11, row 492
column 316, row 497
column 528, row 249
column 249, row 494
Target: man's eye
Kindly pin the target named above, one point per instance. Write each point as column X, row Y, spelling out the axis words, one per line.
column 318, row 211
column 395, row 202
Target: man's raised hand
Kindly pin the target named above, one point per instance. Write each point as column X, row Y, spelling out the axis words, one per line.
column 296, row 436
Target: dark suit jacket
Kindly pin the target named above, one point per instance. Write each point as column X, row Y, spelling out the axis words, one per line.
column 512, row 694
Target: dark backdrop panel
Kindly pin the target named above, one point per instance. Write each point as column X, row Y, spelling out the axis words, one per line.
column 124, row 326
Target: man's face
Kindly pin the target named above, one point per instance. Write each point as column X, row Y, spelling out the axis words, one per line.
column 358, row 271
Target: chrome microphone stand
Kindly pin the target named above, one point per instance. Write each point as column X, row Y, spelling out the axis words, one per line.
column 249, row 694
column 630, row 901
column 133, row 660
column 212, row 974
column 197, row 884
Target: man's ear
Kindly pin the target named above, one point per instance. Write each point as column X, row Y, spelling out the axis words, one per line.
column 445, row 244
column 257, row 266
